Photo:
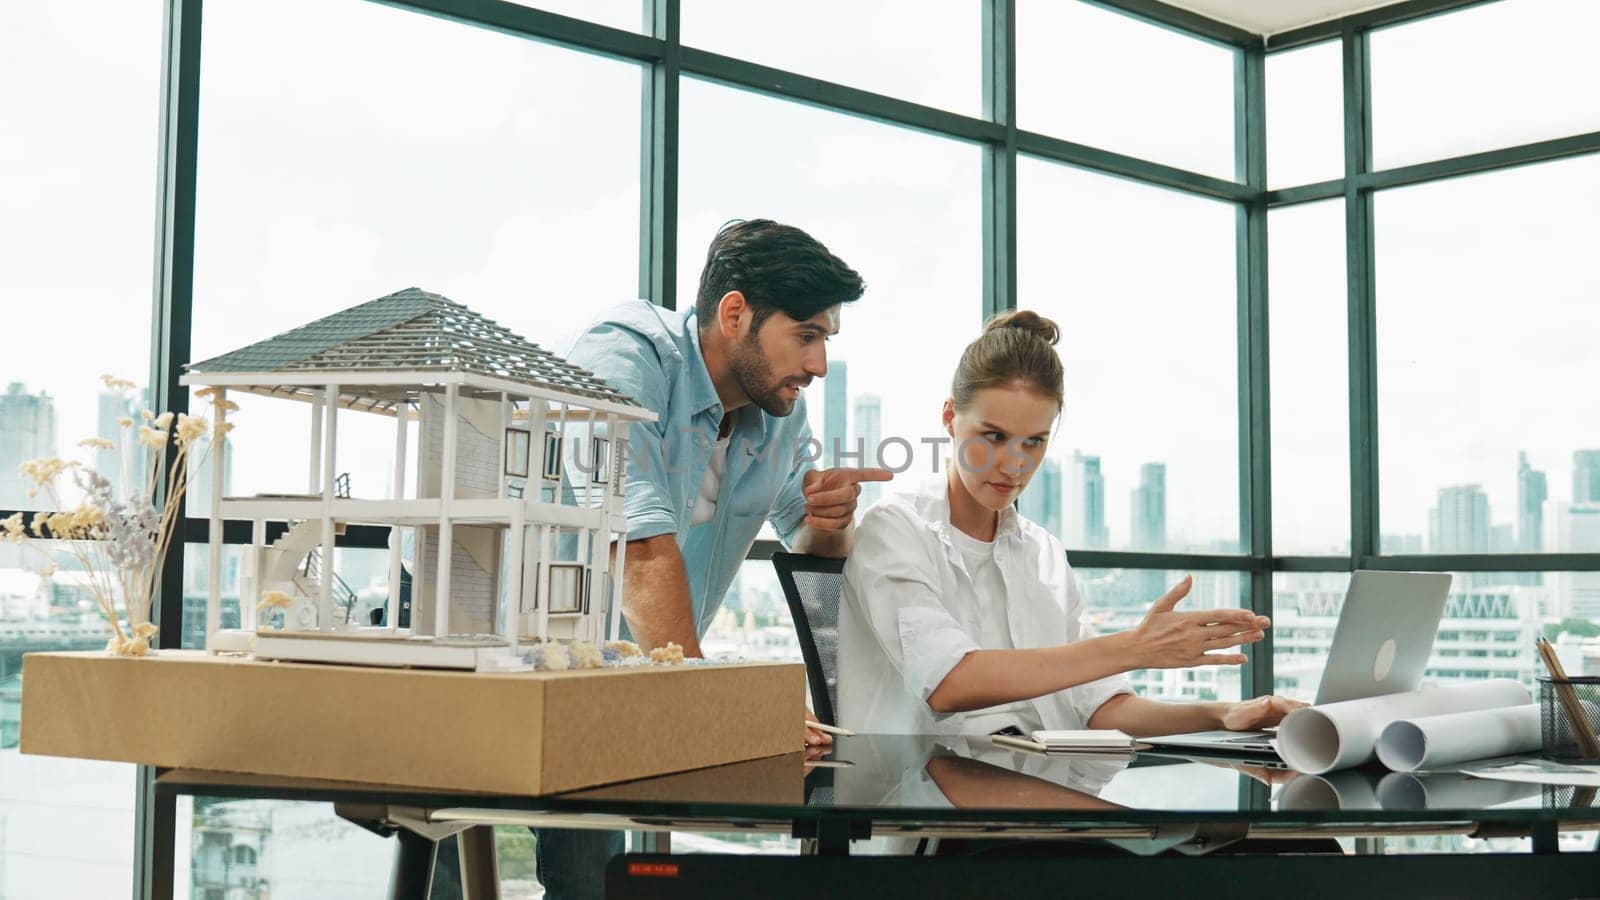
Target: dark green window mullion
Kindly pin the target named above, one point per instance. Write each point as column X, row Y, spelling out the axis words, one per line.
column 514, row 18
column 1166, row 562
column 1000, row 157
column 1362, row 316
column 1305, row 193
column 1255, row 434
column 658, row 181
column 172, row 314
column 1487, row 161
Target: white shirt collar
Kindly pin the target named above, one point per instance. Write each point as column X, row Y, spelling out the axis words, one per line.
column 932, row 501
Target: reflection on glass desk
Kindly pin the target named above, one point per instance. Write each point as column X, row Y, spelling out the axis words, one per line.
column 913, row 785
column 901, row 787
column 917, row 776
column 889, row 777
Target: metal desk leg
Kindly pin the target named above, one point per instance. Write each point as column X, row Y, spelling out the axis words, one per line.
column 832, row 836
column 480, row 869
column 414, row 856
column 1546, row 837
column 651, row 841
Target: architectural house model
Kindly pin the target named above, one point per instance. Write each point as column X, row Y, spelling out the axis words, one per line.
column 517, row 500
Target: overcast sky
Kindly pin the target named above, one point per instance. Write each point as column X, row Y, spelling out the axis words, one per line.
column 383, row 149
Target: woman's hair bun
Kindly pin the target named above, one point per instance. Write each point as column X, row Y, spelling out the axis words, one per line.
column 1027, row 320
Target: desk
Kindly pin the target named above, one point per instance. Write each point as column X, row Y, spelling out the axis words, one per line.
column 912, row 787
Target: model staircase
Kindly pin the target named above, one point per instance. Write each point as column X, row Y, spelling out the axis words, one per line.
column 309, row 581
column 295, row 558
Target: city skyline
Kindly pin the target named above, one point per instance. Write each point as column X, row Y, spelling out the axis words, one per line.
column 27, row 431
column 1069, row 498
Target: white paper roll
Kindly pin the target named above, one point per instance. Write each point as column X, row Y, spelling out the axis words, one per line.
column 1428, row 742
column 1448, row 790
column 1320, row 739
column 1355, row 789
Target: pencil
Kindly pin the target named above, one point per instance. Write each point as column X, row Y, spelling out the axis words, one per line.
column 1588, row 744
column 829, row 729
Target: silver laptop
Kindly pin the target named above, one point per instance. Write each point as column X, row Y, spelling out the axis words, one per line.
column 1380, row 646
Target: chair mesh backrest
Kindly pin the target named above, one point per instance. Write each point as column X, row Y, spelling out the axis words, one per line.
column 813, row 586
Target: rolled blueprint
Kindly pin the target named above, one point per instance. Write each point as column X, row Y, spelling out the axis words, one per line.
column 1320, row 739
column 1449, row 790
column 1354, row 789
column 1429, row 742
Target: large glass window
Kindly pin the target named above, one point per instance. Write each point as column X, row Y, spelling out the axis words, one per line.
column 1142, row 282
column 926, row 53
column 400, row 150
column 1102, row 78
column 1305, row 115
column 1488, row 419
column 1310, row 380
column 78, row 140
column 1119, row 599
column 754, row 622
column 899, row 206
column 247, row 848
column 1492, row 76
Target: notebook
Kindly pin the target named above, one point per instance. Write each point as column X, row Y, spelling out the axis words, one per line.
column 1099, row 740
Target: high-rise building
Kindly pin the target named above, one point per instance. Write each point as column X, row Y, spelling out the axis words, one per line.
column 110, row 409
column 1085, row 519
column 1577, row 530
column 27, row 431
column 1041, row 501
column 1502, row 538
column 1460, row 522
column 869, row 434
column 1398, row 544
column 1148, row 522
column 835, row 391
column 198, row 494
column 1533, row 489
column 1586, row 476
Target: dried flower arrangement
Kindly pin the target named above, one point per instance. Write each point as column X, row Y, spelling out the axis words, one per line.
column 559, row 656
column 119, row 541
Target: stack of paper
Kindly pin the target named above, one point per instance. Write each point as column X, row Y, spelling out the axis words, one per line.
column 1104, row 740
column 1091, row 740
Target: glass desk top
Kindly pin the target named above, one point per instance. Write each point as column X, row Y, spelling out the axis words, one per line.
column 950, row 779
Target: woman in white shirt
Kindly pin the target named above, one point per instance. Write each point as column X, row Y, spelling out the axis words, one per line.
column 961, row 617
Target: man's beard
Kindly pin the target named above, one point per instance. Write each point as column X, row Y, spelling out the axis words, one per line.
column 754, row 374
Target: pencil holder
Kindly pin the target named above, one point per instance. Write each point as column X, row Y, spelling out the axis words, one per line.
column 1565, row 796
column 1566, row 705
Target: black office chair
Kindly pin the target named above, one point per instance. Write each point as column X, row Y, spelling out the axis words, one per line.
column 813, row 586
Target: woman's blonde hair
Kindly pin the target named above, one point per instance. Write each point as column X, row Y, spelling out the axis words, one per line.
column 1015, row 347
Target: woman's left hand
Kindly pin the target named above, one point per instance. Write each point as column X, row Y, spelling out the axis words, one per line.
column 1262, row 712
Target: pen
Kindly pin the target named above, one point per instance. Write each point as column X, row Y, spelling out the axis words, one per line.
column 829, row 729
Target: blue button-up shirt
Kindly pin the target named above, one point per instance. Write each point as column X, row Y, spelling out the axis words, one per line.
column 653, row 355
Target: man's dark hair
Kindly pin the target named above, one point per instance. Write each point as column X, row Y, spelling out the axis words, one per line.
column 777, row 268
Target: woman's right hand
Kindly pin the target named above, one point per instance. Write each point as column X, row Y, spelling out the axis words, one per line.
column 1168, row 639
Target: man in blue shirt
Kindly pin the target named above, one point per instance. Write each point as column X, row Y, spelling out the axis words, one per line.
column 730, row 448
